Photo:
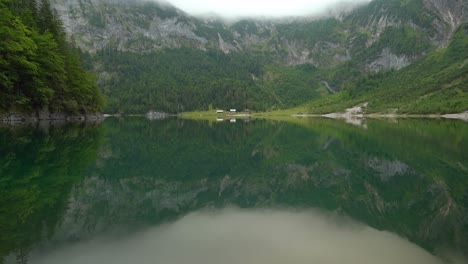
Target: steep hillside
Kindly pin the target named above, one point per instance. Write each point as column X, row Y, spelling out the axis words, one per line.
column 373, row 39
column 177, row 80
column 39, row 71
column 437, row 83
column 143, row 25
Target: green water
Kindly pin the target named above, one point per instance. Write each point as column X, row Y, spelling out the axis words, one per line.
column 65, row 186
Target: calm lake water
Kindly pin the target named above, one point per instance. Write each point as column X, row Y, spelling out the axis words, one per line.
column 182, row 191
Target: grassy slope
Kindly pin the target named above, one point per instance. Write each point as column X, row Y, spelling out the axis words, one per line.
column 437, row 83
column 292, row 86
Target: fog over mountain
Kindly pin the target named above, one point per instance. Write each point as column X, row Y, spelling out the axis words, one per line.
column 234, row 54
column 263, row 8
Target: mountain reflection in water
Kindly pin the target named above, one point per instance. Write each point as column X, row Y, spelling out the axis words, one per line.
column 246, row 236
column 111, row 191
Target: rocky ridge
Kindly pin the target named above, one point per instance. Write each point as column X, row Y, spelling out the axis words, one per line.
column 142, row 26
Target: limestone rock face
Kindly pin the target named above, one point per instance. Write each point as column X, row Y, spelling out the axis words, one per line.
column 450, row 12
column 142, row 26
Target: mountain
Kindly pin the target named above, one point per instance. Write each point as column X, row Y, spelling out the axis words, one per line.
column 153, row 55
column 141, row 26
column 436, row 83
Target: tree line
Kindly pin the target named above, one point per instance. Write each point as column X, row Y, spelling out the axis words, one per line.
column 39, row 69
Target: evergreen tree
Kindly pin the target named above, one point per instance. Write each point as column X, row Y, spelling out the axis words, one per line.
column 38, row 68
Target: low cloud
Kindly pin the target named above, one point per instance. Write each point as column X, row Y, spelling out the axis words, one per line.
column 262, row 8
column 246, row 236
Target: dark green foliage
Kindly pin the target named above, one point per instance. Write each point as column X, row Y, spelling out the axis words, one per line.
column 403, row 40
column 38, row 69
column 176, row 80
column 292, row 85
column 17, row 50
column 38, row 168
column 321, row 30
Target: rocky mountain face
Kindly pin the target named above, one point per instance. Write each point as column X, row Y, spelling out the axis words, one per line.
column 141, row 26
column 450, row 13
column 149, row 55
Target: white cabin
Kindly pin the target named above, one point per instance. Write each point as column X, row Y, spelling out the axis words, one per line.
column 232, row 110
column 219, row 111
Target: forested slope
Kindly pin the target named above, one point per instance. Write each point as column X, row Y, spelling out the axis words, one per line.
column 39, row 70
column 150, row 56
column 176, row 80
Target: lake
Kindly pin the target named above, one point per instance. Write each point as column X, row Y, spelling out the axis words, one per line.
column 131, row 190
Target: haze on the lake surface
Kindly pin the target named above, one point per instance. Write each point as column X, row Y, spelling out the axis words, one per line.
column 137, row 191
column 248, row 236
column 267, row 8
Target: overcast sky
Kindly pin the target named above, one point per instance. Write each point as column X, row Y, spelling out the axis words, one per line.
column 267, row 8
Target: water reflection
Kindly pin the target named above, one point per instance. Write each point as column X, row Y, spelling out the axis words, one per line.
column 409, row 178
column 38, row 167
column 246, row 236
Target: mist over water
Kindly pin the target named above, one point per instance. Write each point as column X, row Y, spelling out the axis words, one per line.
column 131, row 191
column 247, row 236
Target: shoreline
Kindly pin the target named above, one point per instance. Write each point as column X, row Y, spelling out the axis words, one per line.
column 347, row 115
column 13, row 117
column 459, row 116
column 40, row 116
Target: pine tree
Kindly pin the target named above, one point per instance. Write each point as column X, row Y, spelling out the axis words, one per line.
column 38, row 68
column 18, row 70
